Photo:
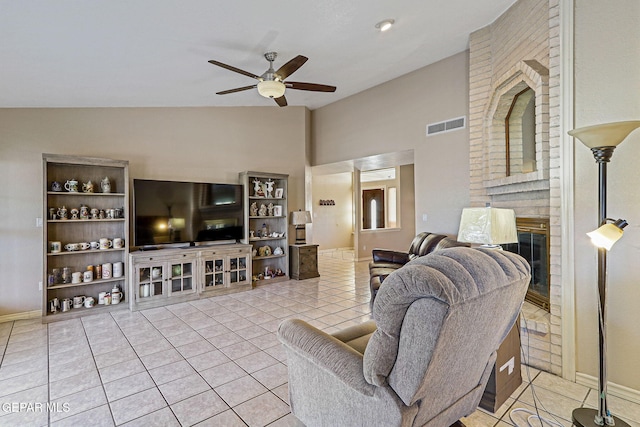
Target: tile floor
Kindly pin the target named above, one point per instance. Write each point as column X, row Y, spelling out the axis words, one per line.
column 212, row 362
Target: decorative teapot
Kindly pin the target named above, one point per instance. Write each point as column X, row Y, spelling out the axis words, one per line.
column 87, row 187
column 105, row 185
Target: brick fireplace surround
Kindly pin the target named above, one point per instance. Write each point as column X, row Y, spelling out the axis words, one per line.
column 519, row 49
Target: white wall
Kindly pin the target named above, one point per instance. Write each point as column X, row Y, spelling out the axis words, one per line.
column 200, row 144
column 607, row 89
column 392, row 117
column 333, row 225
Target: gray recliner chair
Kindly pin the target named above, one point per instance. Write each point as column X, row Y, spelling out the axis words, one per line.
column 425, row 359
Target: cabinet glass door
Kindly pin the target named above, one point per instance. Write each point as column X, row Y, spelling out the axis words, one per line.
column 150, row 279
column 182, row 277
column 213, row 273
column 237, row 269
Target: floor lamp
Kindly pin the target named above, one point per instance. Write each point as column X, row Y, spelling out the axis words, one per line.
column 602, row 140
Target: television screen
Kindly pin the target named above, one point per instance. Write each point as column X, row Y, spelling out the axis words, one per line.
column 168, row 212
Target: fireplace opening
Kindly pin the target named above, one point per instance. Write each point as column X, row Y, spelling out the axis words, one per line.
column 533, row 245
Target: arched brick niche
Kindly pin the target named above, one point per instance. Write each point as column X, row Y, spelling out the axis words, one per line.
column 525, row 74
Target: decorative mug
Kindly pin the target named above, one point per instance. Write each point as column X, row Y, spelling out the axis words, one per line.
column 74, row 213
column 71, row 186
column 105, row 185
column 106, row 270
column 72, row 247
column 94, row 213
column 66, row 304
column 87, row 276
column 118, row 243
column 118, row 269
column 55, row 247
column 89, row 302
column 105, row 243
column 84, row 245
column 94, row 245
column 87, row 187
column 56, row 186
column 78, row 301
column 62, row 213
column 84, row 212
column 76, row 277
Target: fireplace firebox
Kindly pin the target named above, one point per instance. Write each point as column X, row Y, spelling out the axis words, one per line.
column 533, row 245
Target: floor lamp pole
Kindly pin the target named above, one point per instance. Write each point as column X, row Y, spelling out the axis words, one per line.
column 585, row 417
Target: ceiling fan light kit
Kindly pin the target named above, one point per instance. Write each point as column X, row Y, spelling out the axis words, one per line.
column 272, row 83
column 271, row 88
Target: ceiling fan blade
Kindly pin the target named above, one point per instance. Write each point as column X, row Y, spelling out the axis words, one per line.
column 282, row 101
column 310, row 86
column 234, row 69
column 290, row 67
column 238, row 89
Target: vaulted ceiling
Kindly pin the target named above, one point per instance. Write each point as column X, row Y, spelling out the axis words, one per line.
column 154, row 53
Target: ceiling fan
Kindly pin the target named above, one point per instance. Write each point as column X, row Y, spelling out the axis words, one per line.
column 272, row 83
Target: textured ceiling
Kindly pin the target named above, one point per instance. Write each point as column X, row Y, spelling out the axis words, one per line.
column 154, row 53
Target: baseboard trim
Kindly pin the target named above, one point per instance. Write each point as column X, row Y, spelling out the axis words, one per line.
column 614, row 389
column 35, row 314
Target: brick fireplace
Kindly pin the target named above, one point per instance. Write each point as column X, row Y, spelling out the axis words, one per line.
column 505, row 59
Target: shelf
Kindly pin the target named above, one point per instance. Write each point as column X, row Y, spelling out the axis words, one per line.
column 266, row 198
column 257, row 258
column 93, row 282
column 264, row 239
column 85, row 251
column 83, row 221
column 75, row 312
column 267, row 217
column 79, row 193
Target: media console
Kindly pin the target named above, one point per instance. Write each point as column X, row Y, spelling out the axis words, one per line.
column 168, row 276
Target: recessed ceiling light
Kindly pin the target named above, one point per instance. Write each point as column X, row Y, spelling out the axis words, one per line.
column 385, row 25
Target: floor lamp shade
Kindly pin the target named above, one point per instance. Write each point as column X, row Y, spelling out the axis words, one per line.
column 602, row 140
column 488, row 226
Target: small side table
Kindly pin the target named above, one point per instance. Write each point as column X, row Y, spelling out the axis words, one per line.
column 303, row 261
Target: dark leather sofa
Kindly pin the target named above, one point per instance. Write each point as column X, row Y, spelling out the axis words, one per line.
column 386, row 261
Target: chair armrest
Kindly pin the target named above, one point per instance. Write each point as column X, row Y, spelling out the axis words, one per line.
column 386, row 255
column 328, row 353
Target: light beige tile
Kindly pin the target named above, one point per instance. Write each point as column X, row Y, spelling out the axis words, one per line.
column 238, row 350
column 198, row 408
column 208, row 360
column 161, row 358
column 74, row 383
column 222, row 374
column 121, row 370
column 227, row 419
column 77, row 403
column 262, row 410
column 137, row 405
column 559, row 385
column 163, row 417
column 195, row 348
column 172, row 371
column 38, row 394
column 36, row 365
column 272, row 376
column 183, row 388
column 255, row 361
column 96, row 417
column 21, row 383
column 240, row 390
column 128, row 385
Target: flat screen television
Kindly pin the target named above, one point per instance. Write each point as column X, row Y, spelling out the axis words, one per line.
column 170, row 212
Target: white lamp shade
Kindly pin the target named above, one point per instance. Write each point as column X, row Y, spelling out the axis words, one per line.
column 488, row 226
column 271, row 88
column 300, row 217
column 606, row 236
column 605, row 135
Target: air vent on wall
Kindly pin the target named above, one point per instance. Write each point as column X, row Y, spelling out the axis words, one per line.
column 447, row 126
